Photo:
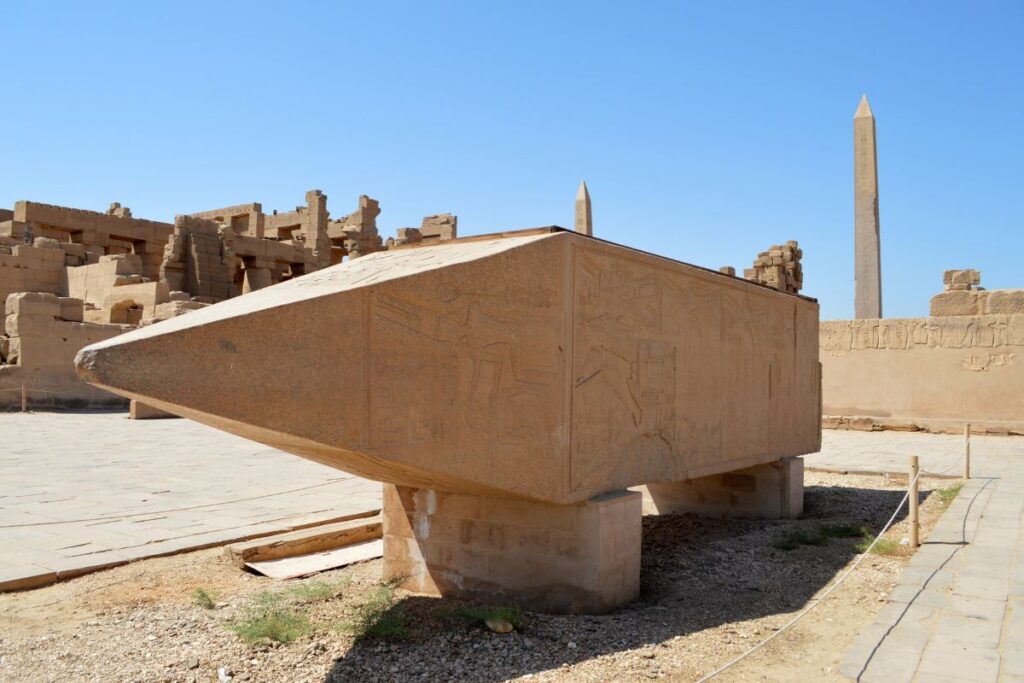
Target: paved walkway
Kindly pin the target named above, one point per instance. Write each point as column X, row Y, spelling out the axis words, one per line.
column 875, row 452
column 957, row 613
column 84, row 491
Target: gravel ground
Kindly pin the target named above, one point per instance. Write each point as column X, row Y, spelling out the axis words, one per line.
column 710, row 590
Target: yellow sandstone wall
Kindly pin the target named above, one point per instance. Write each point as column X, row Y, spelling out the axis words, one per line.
column 44, row 332
column 932, row 373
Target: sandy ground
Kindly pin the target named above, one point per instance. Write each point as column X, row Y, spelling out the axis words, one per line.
column 711, row 589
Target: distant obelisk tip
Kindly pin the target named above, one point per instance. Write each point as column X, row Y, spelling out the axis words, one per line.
column 863, row 109
column 584, row 220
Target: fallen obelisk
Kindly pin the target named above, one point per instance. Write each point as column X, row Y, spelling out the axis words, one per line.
column 508, row 390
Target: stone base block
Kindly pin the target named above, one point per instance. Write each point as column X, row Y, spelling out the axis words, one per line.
column 772, row 491
column 143, row 411
column 582, row 558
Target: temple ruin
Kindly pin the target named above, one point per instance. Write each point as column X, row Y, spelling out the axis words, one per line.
column 71, row 277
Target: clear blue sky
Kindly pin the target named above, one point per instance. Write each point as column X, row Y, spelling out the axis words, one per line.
column 706, row 131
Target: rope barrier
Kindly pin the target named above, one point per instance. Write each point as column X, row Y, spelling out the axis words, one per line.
column 817, row 601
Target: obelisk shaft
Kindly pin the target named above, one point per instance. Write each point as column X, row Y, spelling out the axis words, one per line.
column 868, row 260
column 584, row 219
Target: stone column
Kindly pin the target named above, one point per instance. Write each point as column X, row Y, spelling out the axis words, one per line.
column 582, row 558
column 868, row 260
column 772, row 491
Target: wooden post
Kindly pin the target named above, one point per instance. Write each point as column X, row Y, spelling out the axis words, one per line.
column 24, row 398
column 967, row 451
column 914, row 500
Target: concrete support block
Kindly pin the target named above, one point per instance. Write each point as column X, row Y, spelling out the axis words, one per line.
column 772, row 491
column 581, row 558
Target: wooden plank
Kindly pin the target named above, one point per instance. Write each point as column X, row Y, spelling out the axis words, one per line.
column 304, row 565
column 306, row 541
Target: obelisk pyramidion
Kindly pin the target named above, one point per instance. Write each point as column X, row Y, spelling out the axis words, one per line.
column 868, row 260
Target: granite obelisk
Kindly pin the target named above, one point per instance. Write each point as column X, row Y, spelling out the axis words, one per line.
column 868, row 260
column 584, row 219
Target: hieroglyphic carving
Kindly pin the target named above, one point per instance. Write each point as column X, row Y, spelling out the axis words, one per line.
column 839, row 337
column 984, row 361
column 675, row 350
column 479, row 331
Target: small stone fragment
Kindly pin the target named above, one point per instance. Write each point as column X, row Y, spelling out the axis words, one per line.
column 499, row 625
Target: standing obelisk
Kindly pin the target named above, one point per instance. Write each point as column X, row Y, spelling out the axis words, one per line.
column 868, row 259
column 584, row 219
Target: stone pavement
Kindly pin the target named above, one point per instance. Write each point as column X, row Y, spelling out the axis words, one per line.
column 82, row 491
column 957, row 613
column 879, row 452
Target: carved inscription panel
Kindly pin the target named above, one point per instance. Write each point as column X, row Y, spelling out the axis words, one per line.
column 992, row 339
column 467, row 368
column 675, row 370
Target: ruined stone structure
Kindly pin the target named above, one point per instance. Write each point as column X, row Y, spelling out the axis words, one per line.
column 437, row 228
column 867, row 244
column 963, row 295
column 124, row 271
column 964, row 363
column 778, row 268
column 509, row 390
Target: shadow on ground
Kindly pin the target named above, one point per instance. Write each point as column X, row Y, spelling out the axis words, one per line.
column 696, row 574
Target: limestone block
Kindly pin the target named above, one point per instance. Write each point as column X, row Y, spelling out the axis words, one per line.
column 175, row 308
column 772, row 491
column 73, row 249
column 955, row 302
column 969, row 277
column 24, row 251
column 122, row 280
column 178, row 296
column 32, row 304
column 580, row 558
column 46, row 243
column 71, row 309
column 29, row 325
column 1004, row 302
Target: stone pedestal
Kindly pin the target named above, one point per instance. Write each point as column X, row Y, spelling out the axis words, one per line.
column 580, row 558
column 772, row 491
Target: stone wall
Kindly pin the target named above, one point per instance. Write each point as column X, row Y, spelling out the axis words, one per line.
column 43, row 334
column 924, row 373
column 26, row 268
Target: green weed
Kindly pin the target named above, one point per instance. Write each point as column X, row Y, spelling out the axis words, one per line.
column 318, row 589
column 204, row 598
column 885, row 546
column 267, row 617
column 948, row 495
column 379, row 617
